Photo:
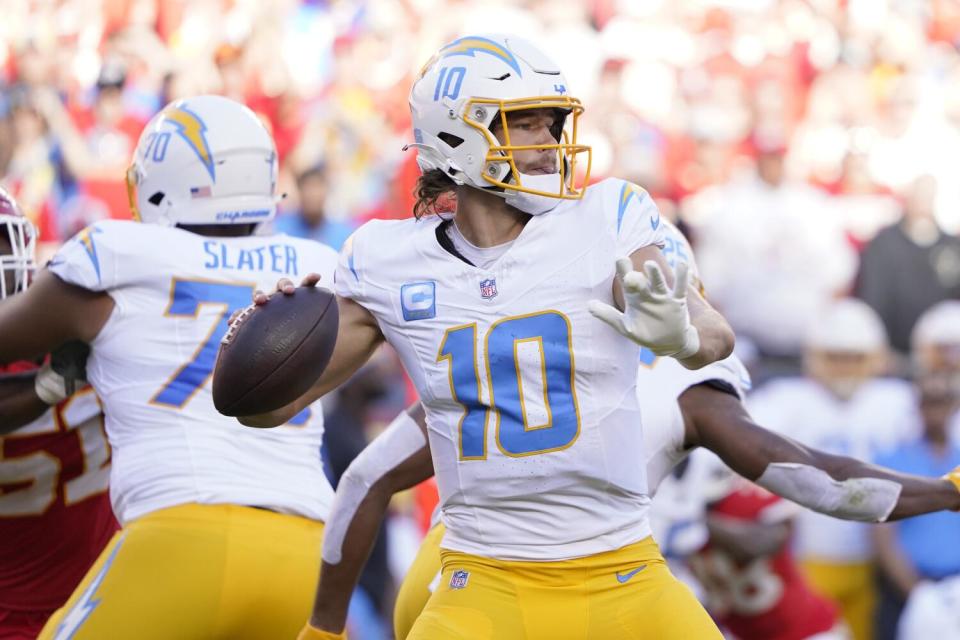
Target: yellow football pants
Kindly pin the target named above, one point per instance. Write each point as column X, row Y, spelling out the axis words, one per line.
column 415, row 590
column 851, row 587
column 198, row 572
column 623, row 595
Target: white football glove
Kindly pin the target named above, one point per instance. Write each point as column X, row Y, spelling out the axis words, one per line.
column 655, row 317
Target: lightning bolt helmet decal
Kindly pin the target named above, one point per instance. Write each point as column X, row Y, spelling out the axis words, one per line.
column 192, row 129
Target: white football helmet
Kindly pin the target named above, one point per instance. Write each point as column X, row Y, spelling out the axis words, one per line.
column 474, row 80
column 204, row 160
column 17, row 266
column 935, row 340
column 846, row 346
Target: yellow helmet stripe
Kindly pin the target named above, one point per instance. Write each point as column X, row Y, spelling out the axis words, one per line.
column 191, row 128
column 471, row 44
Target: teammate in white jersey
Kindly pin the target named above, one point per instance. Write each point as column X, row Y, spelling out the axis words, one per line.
column 215, row 517
column 844, row 405
column 509, row 322
column 682, row 409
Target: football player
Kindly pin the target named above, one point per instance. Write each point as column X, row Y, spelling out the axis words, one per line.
column 935, row 346
column 55, row 514
column 520, row 322
column 754, row 587
column 843, row 404
column 682, row 410
column 221, row 525
column 935, row 341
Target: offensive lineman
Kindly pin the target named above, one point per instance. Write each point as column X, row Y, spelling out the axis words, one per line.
column 221, row 526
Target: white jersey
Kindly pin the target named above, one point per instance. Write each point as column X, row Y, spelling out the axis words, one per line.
column 879, row 416
column 152, row 362
column 531, row 404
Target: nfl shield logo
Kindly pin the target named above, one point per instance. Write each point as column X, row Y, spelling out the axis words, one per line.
column 459, row 579
column 488, row 288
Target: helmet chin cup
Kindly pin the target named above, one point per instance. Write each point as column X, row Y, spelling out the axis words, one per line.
column 533, row 203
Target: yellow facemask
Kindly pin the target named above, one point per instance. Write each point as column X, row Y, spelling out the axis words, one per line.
column 572, row 186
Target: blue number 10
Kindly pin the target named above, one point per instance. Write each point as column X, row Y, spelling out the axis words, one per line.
column 186, row 298
column 448, row 84
column 549, row 331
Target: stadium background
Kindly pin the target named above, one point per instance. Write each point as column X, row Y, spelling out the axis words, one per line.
column 783, row 135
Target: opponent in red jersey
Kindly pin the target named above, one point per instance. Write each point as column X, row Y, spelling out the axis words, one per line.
column 754, row 586
column 55, row 514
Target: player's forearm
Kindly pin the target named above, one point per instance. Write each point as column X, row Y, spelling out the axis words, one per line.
column 396, row 460
column 337, row 581
column 918, row 495
column 19, row 404
column 852, row 485
column 789, row 469
column 716, row 335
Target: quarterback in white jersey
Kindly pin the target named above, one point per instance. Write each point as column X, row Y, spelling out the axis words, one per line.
column 520, row 323
column 682, row 409
column 511, row 366
column 214, row 516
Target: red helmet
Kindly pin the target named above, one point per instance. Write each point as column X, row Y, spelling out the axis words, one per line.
column 18, row 260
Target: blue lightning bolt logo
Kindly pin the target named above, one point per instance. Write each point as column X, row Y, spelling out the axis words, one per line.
column 76, row 616
column 85, row 238
column 472, row 45
column 627, row 193
column 192, row 129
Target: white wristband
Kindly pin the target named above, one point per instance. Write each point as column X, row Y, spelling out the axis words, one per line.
column 399, row 441
column 861, row 499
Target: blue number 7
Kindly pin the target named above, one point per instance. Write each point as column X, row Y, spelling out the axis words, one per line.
column 186, row 298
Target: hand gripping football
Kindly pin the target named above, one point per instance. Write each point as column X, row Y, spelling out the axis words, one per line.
column 273, row 353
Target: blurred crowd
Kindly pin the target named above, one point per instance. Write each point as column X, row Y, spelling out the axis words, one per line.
column 808, row 147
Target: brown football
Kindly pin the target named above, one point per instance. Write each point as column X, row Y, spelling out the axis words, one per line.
column 273, row 353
